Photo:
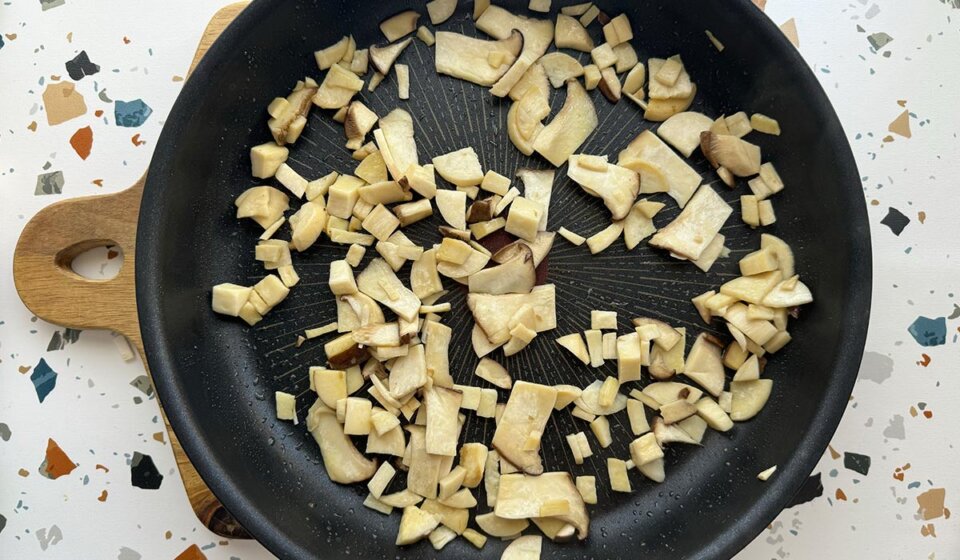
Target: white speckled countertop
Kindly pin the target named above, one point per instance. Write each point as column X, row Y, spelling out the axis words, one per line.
column 884, row 490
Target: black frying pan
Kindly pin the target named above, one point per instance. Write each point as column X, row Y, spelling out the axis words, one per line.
column 216, row 377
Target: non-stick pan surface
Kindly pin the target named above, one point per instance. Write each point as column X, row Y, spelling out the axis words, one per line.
column 216, row 377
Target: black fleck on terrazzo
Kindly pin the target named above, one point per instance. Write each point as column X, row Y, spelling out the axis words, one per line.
column 895, row 220
column 143, row 473
column 856, row 462
column 80, row 66
column 812, row 489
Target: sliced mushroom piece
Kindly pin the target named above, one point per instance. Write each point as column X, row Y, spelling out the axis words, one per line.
column 452, row 206
column 380, row 283
column 575, row 121
column 526, row 547
column 535, row 76
column 757, row 330
column 397, row 145
column 669, row 433
column 753, row 289
column 540, row 248
column 528, row 410
column 665, row 392
column 664, row 364
column 494, row 312
column 287, row 123
column 481, row 344
column 788, row 293
column 363, row 308
column 265, row 205
column 589, row 400
column 399, row 25
column 637, row 226
column 682, row 87
column 476, row 60
column 521, row 496
column 515, row 276
column 462, row 167
column 658, row 110
column 343, row 463
column 681, row 179
column 525, row 116
column 682, row 131
column 358, row 122
column 424, row 279
column 500, row 527
column 382, row 334
column 610, row 84
column 696, row 226
column 782, row 250
column 636, row 78
column 571, row 34
column 443, row 429
column 749, row 397
column 537, row 36
column 617, row 186
column 704, row 364
column 668, row 336
column 337, row 88
column 560, row 67
column 409, row 373
column 473, row 264
column 482, row 210
column 382, row 58
column 440, row 10
column 493, row 372
column 737, row 156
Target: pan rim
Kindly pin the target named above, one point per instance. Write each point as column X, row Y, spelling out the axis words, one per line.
column 780, row 490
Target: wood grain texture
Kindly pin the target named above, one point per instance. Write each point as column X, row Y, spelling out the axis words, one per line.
column 51, row 290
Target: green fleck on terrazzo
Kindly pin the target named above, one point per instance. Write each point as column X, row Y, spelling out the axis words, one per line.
column 49, row 183
column 856, row 462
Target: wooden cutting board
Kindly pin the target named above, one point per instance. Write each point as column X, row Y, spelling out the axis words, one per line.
column 51, row 290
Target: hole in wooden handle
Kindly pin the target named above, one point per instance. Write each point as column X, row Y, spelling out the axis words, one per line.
column 99, row 260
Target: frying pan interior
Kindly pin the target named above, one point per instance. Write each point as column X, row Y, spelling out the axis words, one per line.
column 216, row 377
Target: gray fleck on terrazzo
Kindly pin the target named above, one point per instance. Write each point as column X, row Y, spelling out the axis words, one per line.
column 876, row 367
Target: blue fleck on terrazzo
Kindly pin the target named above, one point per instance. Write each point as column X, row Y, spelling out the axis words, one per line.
column 44, row 379
column 131, row 114
column 929, row 332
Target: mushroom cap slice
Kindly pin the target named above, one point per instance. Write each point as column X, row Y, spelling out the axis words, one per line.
column 682, row 131
column 525, row 116
column 520, row 496
column 569, row 33
column 493, row 312
column 535, row 76
column 589, row 400
column 382, row 58
column 526, row 547
column 397, row 132
column 696, row 226
column 343, row 463
column 398, row 25
column 515, row 276
column 733, row 154
column 575, row 121
column 528, row 410
column 617, row 186
column 440, row 10
column 380, row 283
column 788, row 293
column 474, row 264
column 462, row 167
column 475, row 60
column 537, row 36
column 681, row 179
column 704, row 364
column 560, row 67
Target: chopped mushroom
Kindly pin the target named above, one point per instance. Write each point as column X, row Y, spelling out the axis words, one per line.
column 440, row 10
column 570, row 34
column 382, row 58
column 737, row 156
column 696, row 226
column 521, row 496
column 575, row 121
column 472, row 59
column 399, row 25
column 527, row 411
column 343, row 463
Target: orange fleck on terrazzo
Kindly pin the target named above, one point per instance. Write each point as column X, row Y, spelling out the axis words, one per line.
column 159, row 437
column 97, row 182
column 58, row 463
column 24, row 473
column 924, row 360
column 191, row 553
column 930, row 503
column 789, row 28
column 841, row 496
column 63, row 102
column 901, row 125
column 928, row 414
column 98, row 113
column 82, row 142
column 126, row 40
column 922, row 216
column 874, row 202
column 913, row 411
column 136, row 140
column 103, row 468
column 23, row 369
column 10, row 36
column 902, row 102
column 102, row 497
column 168, row 535
column 32, row 127
column 928, row 530
column 834, row 454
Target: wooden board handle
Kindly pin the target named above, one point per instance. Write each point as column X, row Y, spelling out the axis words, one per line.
column 58, row 233
column 50, row 288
